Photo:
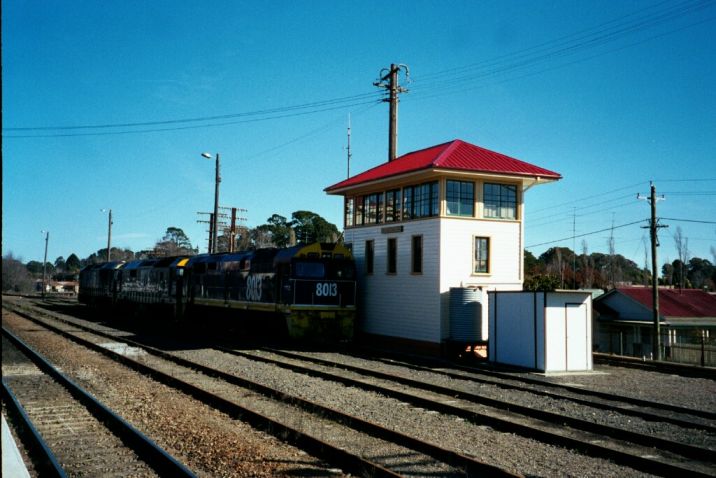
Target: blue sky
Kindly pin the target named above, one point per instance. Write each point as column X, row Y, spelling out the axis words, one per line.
column 611, row 94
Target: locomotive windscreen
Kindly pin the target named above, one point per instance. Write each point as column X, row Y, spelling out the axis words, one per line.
column 309, row 270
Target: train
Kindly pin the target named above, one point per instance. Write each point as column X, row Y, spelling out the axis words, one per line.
column 312, row 287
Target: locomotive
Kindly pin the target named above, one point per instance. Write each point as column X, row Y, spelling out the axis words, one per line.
column 311, row 286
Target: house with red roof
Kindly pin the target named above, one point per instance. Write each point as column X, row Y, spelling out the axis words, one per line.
column 448, row 216
column 625, row 320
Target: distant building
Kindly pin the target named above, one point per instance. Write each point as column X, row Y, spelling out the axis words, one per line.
column 625, row 321
column 443, row 217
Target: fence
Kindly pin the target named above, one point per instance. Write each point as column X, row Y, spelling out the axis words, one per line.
column 693, row 349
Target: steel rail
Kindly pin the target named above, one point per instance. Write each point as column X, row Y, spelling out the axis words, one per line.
column 682, row 369
column 355, row 463
column 546, row 393
column 156, row 457
column 690, row 451
column 44, row 461
column 535, row 381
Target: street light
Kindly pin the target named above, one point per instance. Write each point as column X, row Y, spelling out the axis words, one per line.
column 109, row 234
column 44, row 263
column 215, row 218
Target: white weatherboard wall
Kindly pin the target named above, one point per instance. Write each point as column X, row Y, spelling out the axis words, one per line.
column 546, row 331
column 416, row 306
column 401, row 305
column 456, row 261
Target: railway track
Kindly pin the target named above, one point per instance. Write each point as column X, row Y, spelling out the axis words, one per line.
column 68, row 431
column 682, row 458
column 657, row 366
column 646, row 409
column 317, row 429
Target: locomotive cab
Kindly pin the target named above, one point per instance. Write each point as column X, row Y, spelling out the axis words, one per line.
column 320, row 286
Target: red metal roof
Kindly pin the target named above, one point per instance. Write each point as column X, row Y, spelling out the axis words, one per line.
column 675, row 302
column 455, row 155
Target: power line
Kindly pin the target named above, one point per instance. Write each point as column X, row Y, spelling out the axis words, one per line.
column 585, row 234
column 688, row 220
column 154, row 130
column 598, row 195
column 564, row 46
column 315, row 104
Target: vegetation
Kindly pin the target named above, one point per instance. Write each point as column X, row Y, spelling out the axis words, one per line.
column 15, row 275
column 561, row 268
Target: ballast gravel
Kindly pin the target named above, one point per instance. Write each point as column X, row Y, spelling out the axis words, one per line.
column 207, row 441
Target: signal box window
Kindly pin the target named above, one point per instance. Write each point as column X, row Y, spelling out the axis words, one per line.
column 369, row 255
column 349, row 212
column 392, row 205
column 417, row 255
column 373, row 208
column 460, row 197
column 392, row 256
column 358, row 213
column 500, row 201
column 481, row 256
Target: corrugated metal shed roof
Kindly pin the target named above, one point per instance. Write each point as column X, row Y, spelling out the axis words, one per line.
column 675, row 302
column 456, row 155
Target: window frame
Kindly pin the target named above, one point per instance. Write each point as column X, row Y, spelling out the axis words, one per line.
column 461, row 198
column 349, row 211
column 484, row 251
column 392, row 256
column 501, row 201
column 416, row 254
column 358, row 213
column 369, row 257
column 393, row 205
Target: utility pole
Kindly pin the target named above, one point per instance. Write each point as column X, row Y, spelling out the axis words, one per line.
column 233, row 228
column 109, row 237
column 44, row 265
column 653, row 229
column 389, row 81
column 574, row 248
column 211, row 222
column 214, row 227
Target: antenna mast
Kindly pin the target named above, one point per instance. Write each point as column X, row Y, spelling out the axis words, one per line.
column 348, row 174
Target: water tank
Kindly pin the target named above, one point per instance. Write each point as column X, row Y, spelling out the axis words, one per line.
column 465, row 314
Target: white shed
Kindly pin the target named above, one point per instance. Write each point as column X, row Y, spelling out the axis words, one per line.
column 545, row 331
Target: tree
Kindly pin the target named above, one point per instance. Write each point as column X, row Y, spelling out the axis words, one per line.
column 174, row 243
column 73, row 264
column 682, row 248
column 310, row 227
column 60, row 264
column 34, row 267
column 117, row 255
column 541, row 283
column 667, row 273
column 15, row 276
column 531, row 264
column 277, row 230
column 701, row 273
